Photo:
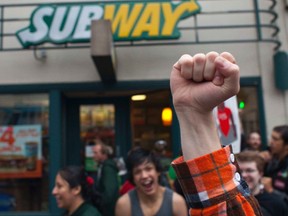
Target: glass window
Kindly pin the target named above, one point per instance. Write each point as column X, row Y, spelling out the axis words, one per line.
column 248, row 109
column 24, row 152
column 150, row 128
column 97, row 122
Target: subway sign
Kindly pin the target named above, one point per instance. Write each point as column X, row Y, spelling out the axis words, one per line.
column 71, row 23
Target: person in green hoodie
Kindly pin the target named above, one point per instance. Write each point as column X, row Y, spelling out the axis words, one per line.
column 107, row 180
column 73, row 192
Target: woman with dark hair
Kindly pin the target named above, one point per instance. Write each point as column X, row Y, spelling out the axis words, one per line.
column 277, row 168
column 73, row 191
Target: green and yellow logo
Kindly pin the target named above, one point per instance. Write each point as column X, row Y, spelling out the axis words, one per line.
column 130, row 21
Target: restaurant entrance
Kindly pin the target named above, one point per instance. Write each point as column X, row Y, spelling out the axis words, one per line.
column 120, row 122
column 87, row 120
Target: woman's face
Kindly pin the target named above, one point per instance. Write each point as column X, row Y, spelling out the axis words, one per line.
column 276, row 143
column 64, row 195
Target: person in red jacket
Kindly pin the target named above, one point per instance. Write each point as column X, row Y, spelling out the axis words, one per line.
column 125, row 187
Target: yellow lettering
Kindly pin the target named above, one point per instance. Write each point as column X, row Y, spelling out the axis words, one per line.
column 172, row 17
column 109, row 11
column 121, row 19
column 149, row 21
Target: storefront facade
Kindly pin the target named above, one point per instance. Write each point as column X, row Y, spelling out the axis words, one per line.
column 53, row 90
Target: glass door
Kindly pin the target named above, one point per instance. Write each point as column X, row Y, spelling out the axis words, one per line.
column 97, row 122
column 87, row 120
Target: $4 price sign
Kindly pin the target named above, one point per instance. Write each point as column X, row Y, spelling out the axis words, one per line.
column 7, row 135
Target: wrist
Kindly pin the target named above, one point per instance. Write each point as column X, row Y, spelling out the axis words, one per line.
column 199, row 134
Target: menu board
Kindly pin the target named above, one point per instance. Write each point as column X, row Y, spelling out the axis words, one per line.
column 20, row 151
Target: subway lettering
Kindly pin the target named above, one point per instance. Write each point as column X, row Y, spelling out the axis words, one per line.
column 130, row 21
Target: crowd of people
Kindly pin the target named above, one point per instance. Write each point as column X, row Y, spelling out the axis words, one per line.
column 208, row 178
column 267, row 169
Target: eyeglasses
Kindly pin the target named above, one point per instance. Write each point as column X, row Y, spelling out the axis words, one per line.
column 249, row 171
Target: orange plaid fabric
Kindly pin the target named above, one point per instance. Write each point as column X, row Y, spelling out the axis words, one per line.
column 212, row 185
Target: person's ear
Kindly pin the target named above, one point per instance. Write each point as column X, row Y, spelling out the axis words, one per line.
column 77, row 190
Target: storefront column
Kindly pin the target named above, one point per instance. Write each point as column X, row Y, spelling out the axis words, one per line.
column 286, row 106
column 55, row 144
column 123, row 127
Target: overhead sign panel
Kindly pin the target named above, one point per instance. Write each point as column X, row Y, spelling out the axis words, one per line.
column 71, row 23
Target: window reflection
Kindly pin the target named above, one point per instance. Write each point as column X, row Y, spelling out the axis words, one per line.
column 24, row 152
column 249, row 115
column 148, row 125
column 97, row 122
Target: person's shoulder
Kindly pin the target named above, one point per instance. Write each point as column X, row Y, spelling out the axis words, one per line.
column 109, row 161
column 273, row 200
column 93, row 211
column 280, row 198
column 110, row 164
column 123, row 205
column 179, row 205
column 90, row 210
column 124, row 199
column 177, row 198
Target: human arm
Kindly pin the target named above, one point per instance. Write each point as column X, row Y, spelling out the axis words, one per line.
column 196, row 90
column 123, row 206
column 206, row 172
column 179, row 205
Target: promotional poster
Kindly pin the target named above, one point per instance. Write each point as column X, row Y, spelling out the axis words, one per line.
column 228, row 123
column 20, row 151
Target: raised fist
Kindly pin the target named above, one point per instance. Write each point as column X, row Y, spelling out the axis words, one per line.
column 203, row 81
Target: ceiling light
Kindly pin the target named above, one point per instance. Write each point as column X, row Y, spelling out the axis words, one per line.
column 138, row 97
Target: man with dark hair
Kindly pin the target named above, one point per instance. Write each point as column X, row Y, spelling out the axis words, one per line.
column 277, row 167
column 253, row 141
column 148, row 197
column 107, row 182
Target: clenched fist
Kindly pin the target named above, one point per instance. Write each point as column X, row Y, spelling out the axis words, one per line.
column 203, row 81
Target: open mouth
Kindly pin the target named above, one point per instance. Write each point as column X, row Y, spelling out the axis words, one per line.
column 58, row 201
column 147, row 185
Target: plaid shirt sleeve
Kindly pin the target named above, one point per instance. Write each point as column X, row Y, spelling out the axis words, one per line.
column 212, row 185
